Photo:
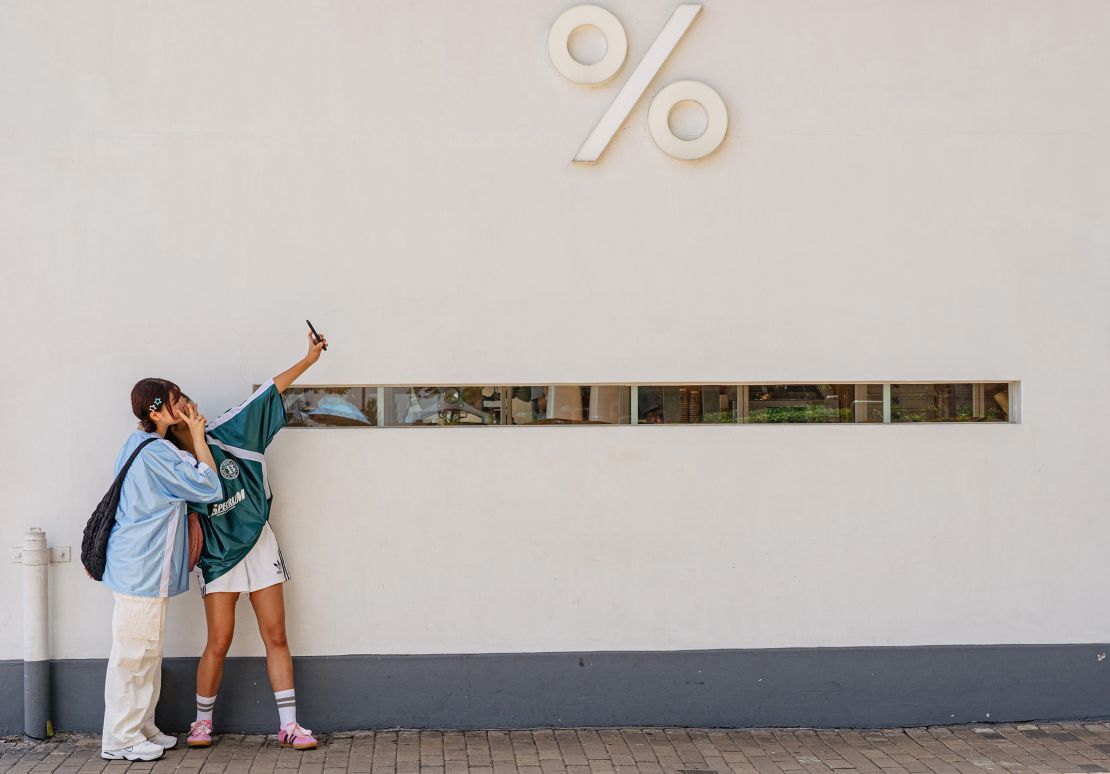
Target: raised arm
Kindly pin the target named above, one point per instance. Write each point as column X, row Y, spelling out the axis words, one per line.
column 290, row 375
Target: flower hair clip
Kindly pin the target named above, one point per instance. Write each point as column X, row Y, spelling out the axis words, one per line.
column 157, row 404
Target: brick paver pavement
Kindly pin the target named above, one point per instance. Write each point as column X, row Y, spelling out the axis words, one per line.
column 1067, row 748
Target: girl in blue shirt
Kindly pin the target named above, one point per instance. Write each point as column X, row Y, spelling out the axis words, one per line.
column 147, row 562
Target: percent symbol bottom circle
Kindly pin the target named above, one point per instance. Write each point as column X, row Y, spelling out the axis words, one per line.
column 716, row 125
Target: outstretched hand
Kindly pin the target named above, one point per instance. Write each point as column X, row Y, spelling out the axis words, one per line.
column 290, row 375
column 315, row 348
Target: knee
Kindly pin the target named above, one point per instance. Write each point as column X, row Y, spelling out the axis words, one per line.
column 219, row 643
column 274, row 637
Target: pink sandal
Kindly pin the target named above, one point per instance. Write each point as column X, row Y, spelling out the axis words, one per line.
column 200, row 734
column 296, row 737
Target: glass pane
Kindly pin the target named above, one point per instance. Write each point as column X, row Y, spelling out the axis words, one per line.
column 442, row 406
column 996, row 402
column 572, row 403
column 930, row 402
column 814, row 403
column 949, row 402
column 696, row 404
column 331, row 406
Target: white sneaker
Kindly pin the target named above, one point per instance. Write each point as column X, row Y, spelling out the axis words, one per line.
column 143, row 751
column 165, row 741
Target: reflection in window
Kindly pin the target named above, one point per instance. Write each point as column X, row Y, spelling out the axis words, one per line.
column 422, row 406
column 528, row 405
column 815, row 403
column 331, row 406
column 949, row 402
column 442, row 406
column 696, row 404
column 571, row 404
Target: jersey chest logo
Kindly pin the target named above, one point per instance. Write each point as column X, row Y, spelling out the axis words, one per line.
column 229, row 469
column 219, row 509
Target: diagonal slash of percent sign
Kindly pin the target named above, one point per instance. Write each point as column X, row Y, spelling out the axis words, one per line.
column 638, row 82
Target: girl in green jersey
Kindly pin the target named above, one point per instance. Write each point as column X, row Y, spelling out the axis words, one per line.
column 240, row 554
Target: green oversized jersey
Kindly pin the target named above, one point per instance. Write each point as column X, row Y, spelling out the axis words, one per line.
column 238, row 438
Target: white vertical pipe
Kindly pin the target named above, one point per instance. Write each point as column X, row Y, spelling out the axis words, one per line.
column 36, row 565
column 36, row 634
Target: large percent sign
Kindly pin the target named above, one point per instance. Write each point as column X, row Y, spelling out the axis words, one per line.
column 610, row 64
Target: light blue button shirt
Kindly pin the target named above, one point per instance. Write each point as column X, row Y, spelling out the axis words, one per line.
column 148, row 551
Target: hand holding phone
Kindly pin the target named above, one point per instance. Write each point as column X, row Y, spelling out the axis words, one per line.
column 316, row 335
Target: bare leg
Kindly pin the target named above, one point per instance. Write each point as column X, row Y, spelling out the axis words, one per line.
column 269, row 609
column 219, row 609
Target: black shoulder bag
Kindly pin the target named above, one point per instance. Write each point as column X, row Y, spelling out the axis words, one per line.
column 94, row 541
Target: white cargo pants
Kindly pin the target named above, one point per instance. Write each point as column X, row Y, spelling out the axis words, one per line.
column 134, row 677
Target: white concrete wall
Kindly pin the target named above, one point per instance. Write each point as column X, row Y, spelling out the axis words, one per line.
column 910, row 190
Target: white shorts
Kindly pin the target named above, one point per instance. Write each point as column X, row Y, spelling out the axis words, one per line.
column 262, row 567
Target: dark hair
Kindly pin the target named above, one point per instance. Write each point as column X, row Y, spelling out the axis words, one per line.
column 144, row 394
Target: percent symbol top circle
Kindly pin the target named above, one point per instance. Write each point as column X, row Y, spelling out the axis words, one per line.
column 616, row 45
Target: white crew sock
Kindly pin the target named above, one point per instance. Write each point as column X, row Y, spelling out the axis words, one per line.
column 205, row 705
column 287, row 706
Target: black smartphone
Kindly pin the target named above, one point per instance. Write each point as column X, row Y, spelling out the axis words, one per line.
column 315, row 335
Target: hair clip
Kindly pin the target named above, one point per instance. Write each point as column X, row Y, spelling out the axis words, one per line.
column 157, row 404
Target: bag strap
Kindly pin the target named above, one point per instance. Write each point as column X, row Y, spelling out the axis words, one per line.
column 134, row 454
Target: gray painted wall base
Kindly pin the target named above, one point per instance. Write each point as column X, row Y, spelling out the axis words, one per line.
column 846, row 687
column 36, row 698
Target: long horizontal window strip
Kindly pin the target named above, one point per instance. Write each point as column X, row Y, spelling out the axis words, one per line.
column 648, row 404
